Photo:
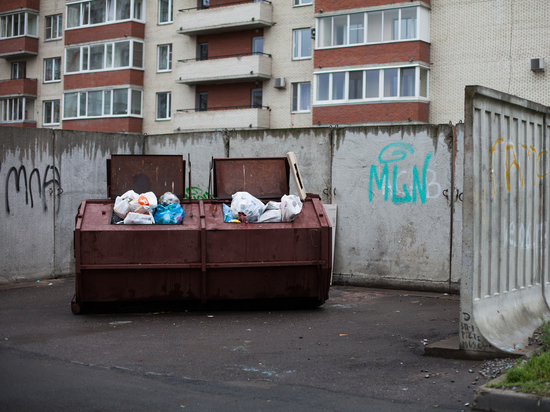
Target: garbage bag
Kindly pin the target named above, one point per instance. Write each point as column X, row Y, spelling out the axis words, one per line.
column 171, row 214
column 291, row 205
column 145, row 199
column 133, row 218
column 248, row 205
column 271, row 215
column 122, row 203
column 169, row 199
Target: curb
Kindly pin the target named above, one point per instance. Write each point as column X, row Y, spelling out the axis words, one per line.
column 506, row 400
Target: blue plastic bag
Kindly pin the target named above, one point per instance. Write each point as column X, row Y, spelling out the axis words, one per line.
column 227, row 215
column 169, row 215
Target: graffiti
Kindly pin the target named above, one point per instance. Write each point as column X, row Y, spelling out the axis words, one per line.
column 470, row 337
column 532, row 237
column 197, row 193
column 419, row 185
column 517, row 160
column 41, row 183
column 458, row 197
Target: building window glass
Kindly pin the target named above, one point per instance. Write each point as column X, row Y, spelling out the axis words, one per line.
column 100, row 56
column 302, row 2
column 52, row 69
column 164, row 58
column 54, row 27
column 258, row 45
column 16, row 109
column 166, row 11
column 51, row 112
column 203, row 51
column 103, row 11
column 18, row 70
column 302, row 44
column 202, row 101
column 256, row 98
column 102, row 103
column 18, row 24
column 301, row 97
column 164, row 105
column 371, row 84
column 382, row 26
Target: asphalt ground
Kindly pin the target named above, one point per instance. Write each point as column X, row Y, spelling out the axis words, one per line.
column 363, row 350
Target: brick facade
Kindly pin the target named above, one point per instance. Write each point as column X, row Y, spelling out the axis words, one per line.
column 230, row 43
column 229, row 95
column 18, row 87
column 106, row 125
column 376, row 112
column 373, row 54
column 18, row 46
column 334, row 5
column 105, row 78
column 105, row 32
column 16, row 5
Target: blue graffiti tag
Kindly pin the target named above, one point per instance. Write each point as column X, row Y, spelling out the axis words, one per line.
column 400, row 152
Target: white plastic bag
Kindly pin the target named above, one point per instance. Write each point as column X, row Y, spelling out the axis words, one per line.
column 169, row 199
column 245, row 203
column 134, row 218
column 291, row 205
column 271, row 215
column 145, row 199
column 122, row 203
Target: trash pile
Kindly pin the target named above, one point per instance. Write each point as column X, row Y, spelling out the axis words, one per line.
column 245, row 208
column 144, row 209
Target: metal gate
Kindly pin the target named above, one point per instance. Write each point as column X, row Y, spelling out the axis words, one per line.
column 505, row 250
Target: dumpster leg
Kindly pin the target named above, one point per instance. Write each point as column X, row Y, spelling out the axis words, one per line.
column 75, row 307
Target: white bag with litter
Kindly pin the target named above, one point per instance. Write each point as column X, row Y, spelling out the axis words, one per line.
column 291, row 205
column 122, row 203
column 245, row 203
column 145, row 199
column 136, row 218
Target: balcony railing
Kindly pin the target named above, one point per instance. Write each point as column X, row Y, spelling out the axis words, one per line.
column 221, row 69
column 223, row 117
column 232, row 3
column 240, row 16
column 18, row 87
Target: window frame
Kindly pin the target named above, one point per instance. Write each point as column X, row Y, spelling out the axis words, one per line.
column 55, row 20
column 22, row 109
column 168, row 58
column 322, row 37
column 170, row 12
column 21, row 68
column 82, row 103
column 110, row 14
column 54, row 60
column 168, row 104
column 52, row 121
column 253, row 94
column 109, row 48
column 387, row 90
column 301, row 3
column 298, row 88
column 22, row 29
column 300, row 33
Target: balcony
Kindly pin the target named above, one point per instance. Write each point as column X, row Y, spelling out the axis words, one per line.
column 223, row 118
column 235, row 17
column 9, row 5
column 18, row 87
column 224, row 69
column 22, row 46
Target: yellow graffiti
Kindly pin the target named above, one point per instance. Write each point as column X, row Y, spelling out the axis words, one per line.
column 511, row 161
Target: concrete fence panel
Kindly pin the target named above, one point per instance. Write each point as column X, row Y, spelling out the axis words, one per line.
column 505, row 237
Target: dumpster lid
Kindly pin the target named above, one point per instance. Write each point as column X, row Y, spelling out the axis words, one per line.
column 262, row 177
column 146, row 173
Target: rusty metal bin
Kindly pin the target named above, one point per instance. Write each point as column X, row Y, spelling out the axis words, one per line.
column 204, row 258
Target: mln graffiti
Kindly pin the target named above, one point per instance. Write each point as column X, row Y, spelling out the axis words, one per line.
column 51, row 179
column 418, row 188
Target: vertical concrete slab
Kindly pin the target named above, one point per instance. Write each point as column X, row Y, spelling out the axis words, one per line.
column 394, row 222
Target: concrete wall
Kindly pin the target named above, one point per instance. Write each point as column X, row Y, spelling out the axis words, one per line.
column 383, row 238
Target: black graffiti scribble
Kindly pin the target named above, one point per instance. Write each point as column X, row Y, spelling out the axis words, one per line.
column 42, row 184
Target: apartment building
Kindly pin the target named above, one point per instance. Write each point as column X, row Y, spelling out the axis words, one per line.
column 165, row 66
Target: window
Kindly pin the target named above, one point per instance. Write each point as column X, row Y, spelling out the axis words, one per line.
column 95, row 12
column 16, row 109
column 382, row 26
column 258, row 45
column 164, row 102
column 18, row 70
column 102, row 103
column 301, row 99
column 51, row 112
column 202, row 51
column 106, row 56
column 256, row 98
column 164, row 58
column 166, row 11
column 18, row 24
column 372, row 84
column 203, row 4
column 54, row 28
column 52, row 70
column 302, row 2
column 202, row 101
column 302, row 44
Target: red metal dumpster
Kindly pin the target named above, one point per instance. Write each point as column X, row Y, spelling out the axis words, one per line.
column 204, row 258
